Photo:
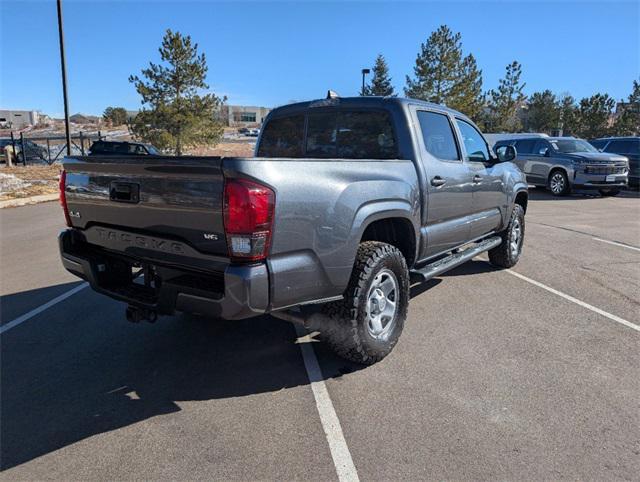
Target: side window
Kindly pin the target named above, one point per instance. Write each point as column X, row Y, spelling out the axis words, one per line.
column 622, row 147
column 541, row 147
column 474, row 143
column 282, row 137
column 322, row 134
column 525, row 146
column 437, row 135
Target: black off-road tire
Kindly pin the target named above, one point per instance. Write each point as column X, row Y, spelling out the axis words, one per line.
column 347, row 330
column 609, row 192
column 503, row 256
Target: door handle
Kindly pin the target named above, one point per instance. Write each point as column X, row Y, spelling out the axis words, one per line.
column 437, row 181
column 477, row 178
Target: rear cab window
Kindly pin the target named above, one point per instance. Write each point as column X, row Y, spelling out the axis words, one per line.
column 282, row 137
column 336, row 133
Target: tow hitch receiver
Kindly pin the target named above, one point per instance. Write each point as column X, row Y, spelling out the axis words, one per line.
column 136, row 314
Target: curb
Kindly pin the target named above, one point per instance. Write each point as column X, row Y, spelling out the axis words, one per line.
column 14, row 203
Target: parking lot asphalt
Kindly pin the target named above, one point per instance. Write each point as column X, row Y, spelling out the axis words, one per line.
column 494, row 377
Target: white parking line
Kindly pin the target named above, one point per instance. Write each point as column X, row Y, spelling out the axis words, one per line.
column 576, row 301
column 41, row 308
column 615, row 243
column 340, row 454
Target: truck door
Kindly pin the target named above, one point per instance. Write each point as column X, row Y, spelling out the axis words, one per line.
column 489, row 195
column 448, row 195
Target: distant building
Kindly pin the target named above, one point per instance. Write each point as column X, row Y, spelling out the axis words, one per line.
column 18, row 119
column 243, row 115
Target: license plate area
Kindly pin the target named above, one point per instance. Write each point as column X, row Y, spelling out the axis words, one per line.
column 611, row 178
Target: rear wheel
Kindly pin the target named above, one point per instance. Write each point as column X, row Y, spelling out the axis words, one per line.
column 609, row 192
column 508, row 252
column 366, row 325
column 559, row 183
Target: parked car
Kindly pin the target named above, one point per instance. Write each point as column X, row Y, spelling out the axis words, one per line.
column 346, row 200
column 243, row 131
column 626, row 146
column 254, row 132
column 564, row 163
column 110, row 148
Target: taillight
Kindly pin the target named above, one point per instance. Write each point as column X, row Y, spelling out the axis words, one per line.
column 248, row 218
column 63, row 196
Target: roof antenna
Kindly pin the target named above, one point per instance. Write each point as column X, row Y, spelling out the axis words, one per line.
column 332, row 95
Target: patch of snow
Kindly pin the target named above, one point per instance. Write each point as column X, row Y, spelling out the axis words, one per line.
column 11, row 183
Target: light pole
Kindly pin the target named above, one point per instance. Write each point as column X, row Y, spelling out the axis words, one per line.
column 364, row 72
column 63, row 66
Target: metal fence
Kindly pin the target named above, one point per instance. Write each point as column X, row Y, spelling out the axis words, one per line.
column 38, row 149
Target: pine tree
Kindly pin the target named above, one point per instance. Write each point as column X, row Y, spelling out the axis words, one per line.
column 628, row 122
column 116, row 116
column 544, row 112
column 506, row 100
column 174, row 115
column 380, row 82
column 568, row 114
column 594, row 116
column 444, row 76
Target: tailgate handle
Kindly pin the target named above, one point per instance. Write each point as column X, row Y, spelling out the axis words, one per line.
column 124, row 192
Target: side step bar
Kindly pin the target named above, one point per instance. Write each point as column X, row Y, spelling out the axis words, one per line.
column 445, row 264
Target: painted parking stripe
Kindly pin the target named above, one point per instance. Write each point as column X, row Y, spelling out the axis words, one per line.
column 615, row 318
column 340, row 454
column 615, row 243
column 41, row 308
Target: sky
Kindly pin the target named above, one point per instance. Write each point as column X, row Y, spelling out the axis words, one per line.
column 271, row 53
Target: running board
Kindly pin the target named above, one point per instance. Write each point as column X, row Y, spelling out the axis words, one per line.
column 456, row 259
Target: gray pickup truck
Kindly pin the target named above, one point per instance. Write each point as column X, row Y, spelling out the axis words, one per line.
column 347, row 201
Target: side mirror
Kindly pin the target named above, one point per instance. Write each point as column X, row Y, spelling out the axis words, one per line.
column 506, row 153
column 544, row 152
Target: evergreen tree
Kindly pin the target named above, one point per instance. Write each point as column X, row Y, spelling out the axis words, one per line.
column 594, row 116
column 381, row 82
column 174, row 114
column 544, row 112
column 506, row 100
column 628, row 122
column 116, row 116
column 442, row 75
column 568, row 114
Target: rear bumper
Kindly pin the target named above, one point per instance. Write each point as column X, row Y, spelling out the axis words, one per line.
column 237, row 292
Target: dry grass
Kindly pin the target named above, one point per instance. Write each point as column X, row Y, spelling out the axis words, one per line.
column 226, row 149
column 41, row 179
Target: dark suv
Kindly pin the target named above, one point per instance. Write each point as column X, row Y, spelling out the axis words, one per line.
column 564, row 163
column 626, row 146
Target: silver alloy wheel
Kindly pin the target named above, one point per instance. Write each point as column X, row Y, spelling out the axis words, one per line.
column 557, row 183
column 515, row 238
column 382, row 304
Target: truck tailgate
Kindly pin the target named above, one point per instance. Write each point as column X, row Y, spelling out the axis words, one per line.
column 177, row 198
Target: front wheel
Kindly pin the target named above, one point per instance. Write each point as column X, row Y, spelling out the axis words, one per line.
column 609, row 192
column 559, row 183
column 366, row 325
column 507, row 254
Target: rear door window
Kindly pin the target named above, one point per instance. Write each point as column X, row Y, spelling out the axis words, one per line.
column 525, row 146
column 282, row 137
column 351, row 135
column 437, row 135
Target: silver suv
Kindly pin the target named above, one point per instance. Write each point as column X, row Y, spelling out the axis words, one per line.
column 565, row 163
